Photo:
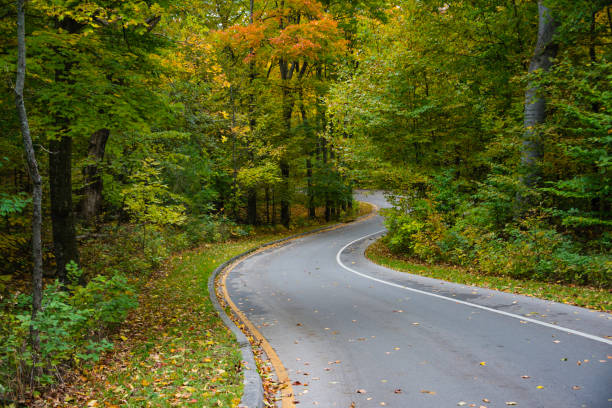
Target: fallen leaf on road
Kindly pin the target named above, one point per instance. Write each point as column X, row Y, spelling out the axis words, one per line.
column 525, row 376
column 361, row 391
column 486, row 400
column 483, row 363
column 557, row 341
column 539, row 387
column 398, row 391
column 576, row 387
column 428, row 392
column 511, row 403
column 398, row 311
column 462, row 403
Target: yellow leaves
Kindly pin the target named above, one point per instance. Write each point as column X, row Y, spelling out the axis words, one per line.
column 145, row 383
column 123, row 338
column 92, row 403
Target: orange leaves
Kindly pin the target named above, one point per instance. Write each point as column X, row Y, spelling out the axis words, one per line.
column 312, row 40
column 299, row 31
column 244, row 38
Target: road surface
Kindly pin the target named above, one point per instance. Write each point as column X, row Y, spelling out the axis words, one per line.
column 349, row 331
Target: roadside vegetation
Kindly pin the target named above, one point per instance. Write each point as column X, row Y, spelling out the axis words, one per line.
column 152, row 338
column 495, row 142
column 132, row 130
column 590, row 297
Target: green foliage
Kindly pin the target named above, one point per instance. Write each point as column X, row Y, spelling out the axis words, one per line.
column 149, row 200
column 581, row 146
column 11, row 204
column 72, row 325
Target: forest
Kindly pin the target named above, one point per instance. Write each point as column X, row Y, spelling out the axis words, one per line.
column 134, row 130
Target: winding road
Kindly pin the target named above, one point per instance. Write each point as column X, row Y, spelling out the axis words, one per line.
column 352, row 333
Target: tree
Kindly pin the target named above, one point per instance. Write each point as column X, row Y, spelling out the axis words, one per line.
column 535, row 104
column 289, row 44
column 37, row 271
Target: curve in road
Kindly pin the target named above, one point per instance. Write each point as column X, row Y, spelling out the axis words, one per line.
column 349, row 341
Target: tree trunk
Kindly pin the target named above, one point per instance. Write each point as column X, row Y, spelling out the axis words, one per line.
column 273, row 207
column 311, row 203
column 37, row 270
column 92, row 192
column 252, row 206
column 267, row 205
column 60, row 174
column 535, row 105
column 252, row 193
column 62, row 217
column 287, row 109
column 285, row 211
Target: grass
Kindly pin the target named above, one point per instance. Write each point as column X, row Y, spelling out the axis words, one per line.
column 593, row 298
column 173, row 350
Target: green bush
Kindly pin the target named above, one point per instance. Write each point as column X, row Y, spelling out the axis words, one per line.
column 416, row 232
column 483, row 234
column 71, row 325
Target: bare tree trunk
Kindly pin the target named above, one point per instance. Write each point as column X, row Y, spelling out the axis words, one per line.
column 273, row 206
column 267, row 205
column 252, row 206
column 287, row 107
column 252, row 193
column 37, row 271
column 535, row 105
column 311, row 204
column 285, row 211
column 62, row 216
column 60, row 173
column 92, row 192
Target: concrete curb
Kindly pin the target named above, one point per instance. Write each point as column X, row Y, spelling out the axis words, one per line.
column 252, row 396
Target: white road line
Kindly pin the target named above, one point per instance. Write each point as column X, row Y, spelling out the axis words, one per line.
column 515, row 316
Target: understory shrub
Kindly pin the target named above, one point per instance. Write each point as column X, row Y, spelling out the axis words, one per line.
column 482, row 234
column 72, row 326
column 416, row 231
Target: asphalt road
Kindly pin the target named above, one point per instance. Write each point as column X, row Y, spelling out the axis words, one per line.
column 363, row 334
